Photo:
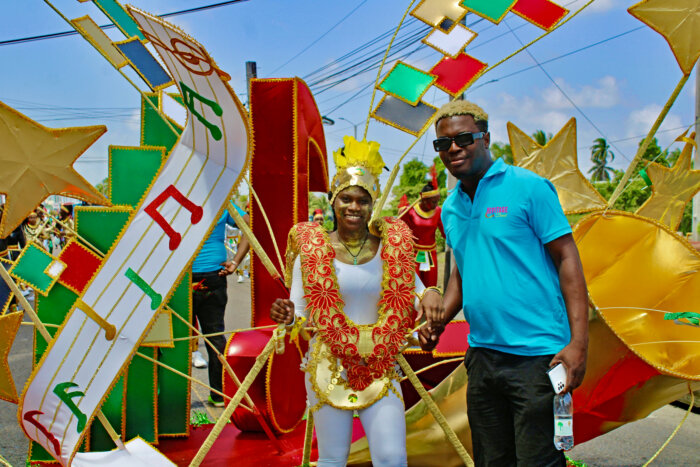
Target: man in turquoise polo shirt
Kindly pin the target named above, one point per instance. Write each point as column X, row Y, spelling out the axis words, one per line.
column 209, row 295
column 519, row 279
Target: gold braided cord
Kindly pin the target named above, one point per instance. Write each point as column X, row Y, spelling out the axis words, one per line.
column 308, row 438
column 668, row 440
column 186, row 376
column 233, row 404
column 381, row 65
column 434, row 365
column 439, row 417
column 643, row 147
column 213, row 334
column 395, row 170
column 254, row 243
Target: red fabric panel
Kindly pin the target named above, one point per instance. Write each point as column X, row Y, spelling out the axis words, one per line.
column 81, row 265
column 456, row 74
column 543, row 13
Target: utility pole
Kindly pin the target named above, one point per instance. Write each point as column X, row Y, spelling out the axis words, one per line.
column 694, row 234
column 251, row 71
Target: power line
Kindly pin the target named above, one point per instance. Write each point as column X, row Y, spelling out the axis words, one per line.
column 320, row 37
column 571, row 101
column 55, row 35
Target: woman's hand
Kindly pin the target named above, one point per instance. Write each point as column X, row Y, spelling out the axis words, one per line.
column 432, row 308
column 282, row 311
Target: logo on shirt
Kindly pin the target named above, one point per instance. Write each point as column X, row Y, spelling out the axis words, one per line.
column 500, row 211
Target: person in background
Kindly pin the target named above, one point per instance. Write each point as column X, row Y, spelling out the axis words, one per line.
column 209, row 296
column 424, row 221
column 318, row 216
column 518, row 277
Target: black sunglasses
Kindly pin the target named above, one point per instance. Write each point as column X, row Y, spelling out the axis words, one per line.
column 462, row 140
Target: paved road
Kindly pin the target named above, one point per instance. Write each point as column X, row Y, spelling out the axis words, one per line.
column 630, row 445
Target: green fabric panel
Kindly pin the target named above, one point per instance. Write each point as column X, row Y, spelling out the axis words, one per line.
column 31, row 267
column 120, row 17
column 100, row 226
column 131, row 171
column 173, row 390
column 491, row 9
column 407, row 83
column 177, row 98
column 39, row 454
column 112, row 408
column 154, row 129
column 141, row 397
column 52, row 309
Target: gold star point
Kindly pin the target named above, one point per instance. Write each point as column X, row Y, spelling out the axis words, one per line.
column 678, row 21
column 672, row 188
column 9, row 325
column 557, row 161
column 38, row 162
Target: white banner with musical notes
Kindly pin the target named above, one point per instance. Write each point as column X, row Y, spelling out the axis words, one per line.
column 103, row 331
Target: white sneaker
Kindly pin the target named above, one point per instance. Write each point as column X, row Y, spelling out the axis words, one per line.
column 240, row 279
column 198, row 361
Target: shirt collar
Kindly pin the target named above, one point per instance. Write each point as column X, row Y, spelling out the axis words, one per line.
column 498, row 167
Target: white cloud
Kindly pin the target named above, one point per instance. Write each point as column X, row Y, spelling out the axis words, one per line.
column 639, row 122
column 598, row 6
column 528, row 113
column 604, row 94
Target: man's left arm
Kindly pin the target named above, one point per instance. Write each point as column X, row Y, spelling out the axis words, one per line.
column 566, row 259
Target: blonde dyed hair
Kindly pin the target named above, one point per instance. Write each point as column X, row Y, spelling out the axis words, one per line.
column 462, row 107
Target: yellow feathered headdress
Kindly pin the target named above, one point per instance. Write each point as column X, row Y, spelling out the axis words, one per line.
column 358, row 163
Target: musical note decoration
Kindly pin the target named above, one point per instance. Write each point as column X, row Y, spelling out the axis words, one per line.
column 61, row 391
column 156, row 298
column 152, row 210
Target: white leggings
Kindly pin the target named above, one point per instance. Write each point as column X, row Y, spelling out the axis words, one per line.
column 384, row 423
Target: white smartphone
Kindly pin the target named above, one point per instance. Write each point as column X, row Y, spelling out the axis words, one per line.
column 557, row 375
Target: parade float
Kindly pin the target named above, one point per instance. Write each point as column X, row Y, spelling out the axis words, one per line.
column 112, row 376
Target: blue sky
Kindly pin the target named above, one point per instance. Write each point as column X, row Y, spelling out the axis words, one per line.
column 620, row 84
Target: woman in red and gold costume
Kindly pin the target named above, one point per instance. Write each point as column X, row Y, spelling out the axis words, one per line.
column 423, row 220
column 356, row 287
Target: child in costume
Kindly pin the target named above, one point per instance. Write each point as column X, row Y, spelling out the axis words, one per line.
column 357, row 290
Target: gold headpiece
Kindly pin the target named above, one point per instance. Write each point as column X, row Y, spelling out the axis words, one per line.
column 358, row 163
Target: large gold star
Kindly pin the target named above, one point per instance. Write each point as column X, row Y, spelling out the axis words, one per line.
column 557, row 161
column 672, row 188
column 678, row 21
column 37, row 162
column 9, row 324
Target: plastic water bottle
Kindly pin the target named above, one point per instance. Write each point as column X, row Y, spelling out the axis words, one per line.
column 563, row 422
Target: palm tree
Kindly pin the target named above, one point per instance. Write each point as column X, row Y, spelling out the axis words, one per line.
column 600, row 153
column 541, row 137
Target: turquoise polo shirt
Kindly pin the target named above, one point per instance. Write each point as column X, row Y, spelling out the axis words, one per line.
column 510, row 287
column 213, row 252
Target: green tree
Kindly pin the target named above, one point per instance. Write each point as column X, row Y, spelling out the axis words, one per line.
column 600, row 153
column 411, row 182
column 501, row 151
column 541, row 137
column 103, row 187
